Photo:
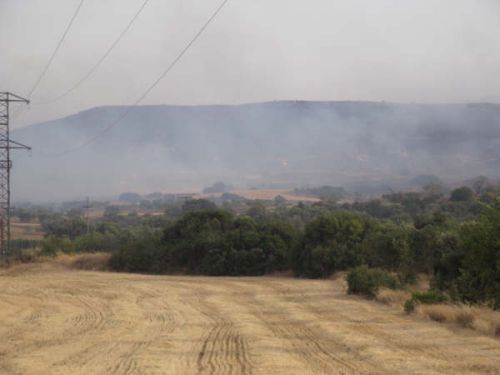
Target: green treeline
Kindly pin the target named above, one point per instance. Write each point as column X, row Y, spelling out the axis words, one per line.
column 455, row 240
column 212, row 242
column 463, row 258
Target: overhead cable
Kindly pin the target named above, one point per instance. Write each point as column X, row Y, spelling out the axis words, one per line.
column 94, row 68
column 167, row 70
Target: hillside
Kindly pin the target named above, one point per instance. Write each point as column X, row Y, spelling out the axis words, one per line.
column 286, row 144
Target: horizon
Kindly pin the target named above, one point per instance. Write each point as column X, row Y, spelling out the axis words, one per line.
column 253, row 52
column 288, row 143
column 382, row 102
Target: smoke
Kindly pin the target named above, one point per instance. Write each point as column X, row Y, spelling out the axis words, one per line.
column 287, row 144
column 263, row 50
column 412, row 51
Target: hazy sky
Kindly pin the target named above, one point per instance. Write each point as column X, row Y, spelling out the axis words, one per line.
column 256, row 50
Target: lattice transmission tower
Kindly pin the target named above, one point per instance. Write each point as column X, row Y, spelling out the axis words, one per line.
column 6, row 144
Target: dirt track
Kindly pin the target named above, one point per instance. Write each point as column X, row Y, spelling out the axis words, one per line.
column 58, row 321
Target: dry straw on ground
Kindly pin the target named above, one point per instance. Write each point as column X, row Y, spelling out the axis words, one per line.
column 481, row 319
column 392, row 297
column 57, row 320
column 87, row 261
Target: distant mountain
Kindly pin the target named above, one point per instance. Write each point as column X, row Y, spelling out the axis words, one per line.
column 172, row 148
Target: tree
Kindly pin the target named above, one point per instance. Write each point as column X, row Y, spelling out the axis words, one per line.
column 480, row 184
column 218, row 187
column 64, row 227
column 479, row 279
column 388, row 247
column 462, row 194
column 24, row 215
column 257, row 211
column 111, row 212
column 129, row 197
column 192, row 205
column 279, row 200
column 334, row 239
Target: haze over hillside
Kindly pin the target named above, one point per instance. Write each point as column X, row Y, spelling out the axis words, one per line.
column 181, row 148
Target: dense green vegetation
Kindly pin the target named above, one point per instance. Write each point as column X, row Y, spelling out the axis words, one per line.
column 430, row 297
column 453, row 237
column 367, row 281
column 213, row 242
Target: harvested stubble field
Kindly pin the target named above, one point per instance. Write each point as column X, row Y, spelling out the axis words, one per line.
column 26, row 231
column 54, row 320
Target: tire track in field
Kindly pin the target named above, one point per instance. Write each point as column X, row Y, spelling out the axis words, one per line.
column 155, row 323
column 127, row 361
column 72, row 322
column 86, row 356
column 156, row 311
column 224, row 349
column 362, row 327
column 322, row 352
column 152, row 321
column 309, row 345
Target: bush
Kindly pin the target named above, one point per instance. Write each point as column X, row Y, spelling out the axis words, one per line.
column 142, row 253
column 22, row 244
column 367, row 281
column 210, row 242
column 465, row 318
column 409, row 306
column 25, row 256
column 437, row 314
column 479, row 278
column 425, row 298
column 429, row 297
column 51, row 245
column 331, row 242
column 462, row 194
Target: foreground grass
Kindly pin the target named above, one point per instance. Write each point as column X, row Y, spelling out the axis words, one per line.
column 58, row 320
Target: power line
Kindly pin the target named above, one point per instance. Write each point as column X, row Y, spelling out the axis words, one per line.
column 100, row 61
column 52, row 57
column 150, row 88
column 59, row 44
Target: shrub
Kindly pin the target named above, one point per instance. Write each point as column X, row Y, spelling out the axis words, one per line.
column 210, row 242
column 22, row 244
column 424, row 298
column 479, row 279
column 387, row 246
column 51, row 245
column 331, row 242
column 438, row 313
column 142, row 254
column 462, row 194
column 25, row 256
column 487, row 322
column 465, row 318
column 409, row 306
column 367, row 281
column 429, row 297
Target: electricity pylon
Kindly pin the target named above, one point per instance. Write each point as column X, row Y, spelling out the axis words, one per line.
column 6, row 144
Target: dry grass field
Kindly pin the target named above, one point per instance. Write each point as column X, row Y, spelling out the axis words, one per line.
column 57, row 320
column 26, row 231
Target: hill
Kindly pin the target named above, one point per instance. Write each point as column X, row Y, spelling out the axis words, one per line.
column 275, row 144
